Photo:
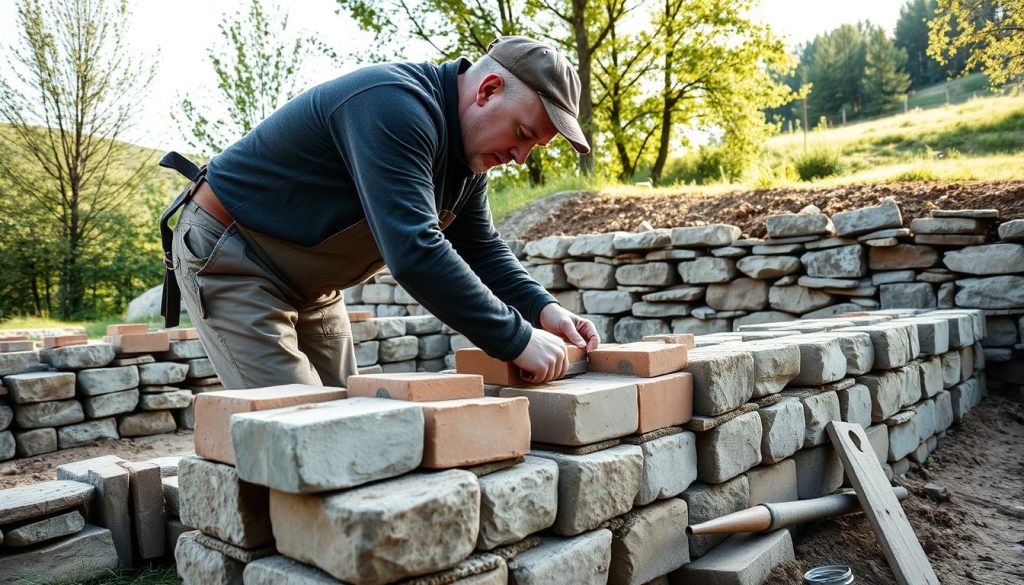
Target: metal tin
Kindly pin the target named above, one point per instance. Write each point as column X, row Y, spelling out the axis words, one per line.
column 829, row 575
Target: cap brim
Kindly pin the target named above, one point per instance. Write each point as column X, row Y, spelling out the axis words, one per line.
column 567, row 126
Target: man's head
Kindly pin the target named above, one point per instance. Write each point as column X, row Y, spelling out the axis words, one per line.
column 520, row 95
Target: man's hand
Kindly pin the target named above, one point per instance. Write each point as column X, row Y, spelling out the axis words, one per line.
column 544, row 358
column 574, row 329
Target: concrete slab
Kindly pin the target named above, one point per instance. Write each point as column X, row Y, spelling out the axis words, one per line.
column 743, row 559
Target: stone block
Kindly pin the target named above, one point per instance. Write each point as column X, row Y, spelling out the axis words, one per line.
column 840, row 262
column 819, row 410
column 962, row 399
column 78, row 435
column 78, row 357
column 707, row 270
column 517, row 501
column 797, row 299
column 108, row 507
column 729, row 449
column 281, row 570
column 951, row 368
column 98, row 381
column 45, row 529
column 768, row 267
column 40, row 386
column 821, row 359
column 743, row 559
column 170, row 490
column 931, row 376
column 588, row 245
column 646, row 274
column 550, row 276
column 17, row 362
column 8, row 446
column 775, row 365
column 660, row 310
column 581, row 560
column 886, row 393
column 28, row 502
column 741, row 294
column 722, row 379
column 213, row 411
column 855, row 405
column 595, row 487
column 892, row 344
column 49, row 414
column 338, row 532
column 432, row 346
column 632, row 329
column 868, row 219
column 985, row 260
column 819, row 471
column 651, row 542
column 367, row 353
column 146, row 423
column 398, row 349
column 35, row 442
column 582, row 410
column 551, row 247
column 996, row 292
column 110, row 404
column 903, row 439
column 608, row 302
column 147, row 505
column 696, row 326
column 772, row 483
column 943, row 411
column 670, row 466
column 166, row 400
column 911, row 295
column 87, row 554
column 782, row 431
column 162, row 373
column 212, row 498
column 182, row 350
column 925, row 419
column 705, row 502
column 198, row 564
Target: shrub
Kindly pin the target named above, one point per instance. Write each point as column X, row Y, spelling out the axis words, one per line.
column 817, row 163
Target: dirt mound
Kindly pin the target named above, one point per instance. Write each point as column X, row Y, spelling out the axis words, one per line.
column 599, row 213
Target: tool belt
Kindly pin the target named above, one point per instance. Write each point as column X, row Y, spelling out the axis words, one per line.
column 170, row 303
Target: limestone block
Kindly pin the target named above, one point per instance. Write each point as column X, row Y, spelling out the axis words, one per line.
column 45, row 529
column 581, row 560
column 35, row 442
column 743, row 559
column 902, row 256
column 367, row 353
column 392, row 311
column 886, row 393
column 775, row 365
column 695, row 326
column 147, row 505
column 610, row 302
column 212, row 498
column 782, row 431
column 328, row 445
column 951, row 368
column 550, row 276
column 855, row 405
column 705, row 502
column 878, row 436
column 338, row 533
column 931, row 376
column 582, row 410
column 912, row 295
column 170, row 490
column 98, row 381
column 642, row 241
column 36, row 501
column 85, row 554
column 108, row 507
column 932, row 334
column 586, row 245
column 552, row 247
column 797, row 299
column 166, row 400
column 773, row 483
column 708, row 236
column 966, row 362
column 741, row 294
column 858, row 349
column 819, row 410
column 390, row 327
column 891, row 344
column 40, row 386
column 590, row 275
column 631, row 329
column 398, row 349
column 722, row 380
column 841, row 262
column 595, row 487
column 659, row 310
column 200, row 565
column 707, row 270
column 1012, row 230
column 84, row 433
column 651, row 542
column 162, row 373
column 903, row 439
column 517, row 501
column 144, row 424
column 962, row 399
column 768, row 267
column 49, row 414
column 422, row 324
column 729, row 449
column 943, row 411
column 670, row 466
column 925, row 419
column 363, row 331
column 78, row 357
column 910, row 388
column 281, row 570
column 819, row 471
column 997, row 292
column 821, row 359
column 868, row 219
column 987, row 259
column 17, row 361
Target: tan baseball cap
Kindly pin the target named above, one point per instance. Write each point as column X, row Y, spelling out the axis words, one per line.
column 545, row 70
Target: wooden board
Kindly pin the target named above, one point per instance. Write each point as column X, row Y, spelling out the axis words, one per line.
column 902, row 549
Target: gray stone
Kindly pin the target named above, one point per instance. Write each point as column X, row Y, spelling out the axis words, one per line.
column 855, row 405
column 630, row 329
column 892, row 277
column 35, row 442
column 166, row 400
column 586, row 245
column 281, row 570
column 821, row 359
column 706, row 502
column 367, row 353
column 729, row 252
column 581, row 560
column 49, row 414
column 707, row 270
column 295, row 449
column 147, row 505
column 651, row 542
column 596, row 487
column 925, row 419
column 961, row 328
column 819, row 471
column 674, row 254
column 741, row 294
column 670, row 466
column 6, row 416
column 903, row 439
column 901, row 257
column 338, row 532
column 743, row 559
column 392, row 311
column 841, row 262
column 550, row 276
column 517, row 501
column 169, row 488
column 16, row 362
column 700, row 326
column 85, row 433
column 378, row 294
column 363, row 331
column 891, row 343
column 40, row 386
column 605, row 325
column 951, row 368
column 402, row 297
column 200, row 368
column 162, row 373
column 708, row 236
column 647, row 274
column 108, row 505
column 868, row 219
column 143, row 424
column 773, row 483
column 798, row 224
column 97, row 381
column 912, row 295
column 390, row 327
column 553, row 247
column 797, row 299
column 432, row 346
column 932, row 334
column 858, row 349
column 768, row 267
column 931, row 376
column 422, row 325
column 886, row 392
column 775, row 365
column 610, row 302
column 661, row 310
column 399, row 349
column 1002, row 331
column 729, row 449
column 198, row 564
column 943, row 411
column 997, row 292
column 678, row 293
column 847, row 286
column 87, row 554
column 722, row 380
column 183, row 350
column 46, row 529
column 28, row 502
column 590, row 275
column 782, row 430
column 78, row 357
column 162, row 389
column 213, row 499
column 648, row 240
column 819, row 410
column 1012, row 230
column 948, row 225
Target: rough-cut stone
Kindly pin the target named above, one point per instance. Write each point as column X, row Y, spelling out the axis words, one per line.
column 166, row 400
column 595, row 487
column 296, row 449
column 886, row 393
column 97, row 381
column 910, row 295
column 773, row 483
column 8, row 447
column 550, row 276
column 903, row 439
column 696, row 326
column 49, row 414
column 552, row 247
column 819, row 410
column 337, row 532
column 162, row 373
column 819, row 471
column 146, row 423
column 648, row 240
column 45, row 529
column 586, row 245
column 741, row 294
column 650, row 543
column 40, row 386
column 39, row 500
column 108, row 506
column 678, row 293
column 987, row 259
column 581, row 560
column 708, row 236
column 590, row 275
column 797, row 299
column 670, row 466
column 901, row 257
column 788, row 225
column 997, row 292
column 86, row 554
column 868, row 219
column 213, row 499
column 610, row 302
column 517, row 501
column 729, row 449
column 841, row 262
column 281, row 570
column 147, row 505
column 782, row 432
column 660, row 310
column 198, row 564
column 768, row 267
column 948, row 225
column 78, row 357
column 722, row 380
column 647, row 274
column 17, row 362
column 743, row 559
column 35, row 442
column 821, row 359
column 706, row 502
column 707, row 270
column 84, row 433
column 1012, row 230
column 891, row 343
column 855, row 405
column 632, row 329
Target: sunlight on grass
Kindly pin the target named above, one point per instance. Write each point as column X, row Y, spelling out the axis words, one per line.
column 95, row 329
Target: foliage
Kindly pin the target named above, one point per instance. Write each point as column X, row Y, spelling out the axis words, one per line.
column 912, row 36
column 69, row 183
column 817, row 163
column 993, row 30
column 703, row 166
column 257, row 71
column 884, row 80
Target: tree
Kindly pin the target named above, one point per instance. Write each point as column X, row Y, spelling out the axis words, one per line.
column 835, row 71
column 912, row 37
column 257, row 71
column 885, row 81
column 72, row 95
column 992, row 30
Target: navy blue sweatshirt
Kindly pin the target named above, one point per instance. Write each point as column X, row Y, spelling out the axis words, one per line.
column 384, row 143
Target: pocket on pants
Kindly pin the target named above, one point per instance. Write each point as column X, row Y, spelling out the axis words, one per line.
column 197, row 246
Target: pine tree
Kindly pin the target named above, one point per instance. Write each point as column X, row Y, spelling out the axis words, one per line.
column 835, row 69
column 885, row 80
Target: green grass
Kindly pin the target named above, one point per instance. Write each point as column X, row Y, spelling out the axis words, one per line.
column 145, row 576
column 508, row 198
column 94, row 329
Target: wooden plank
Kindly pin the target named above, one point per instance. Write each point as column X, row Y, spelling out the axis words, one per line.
column 902, row 549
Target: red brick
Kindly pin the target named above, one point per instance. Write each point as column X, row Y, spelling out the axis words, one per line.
column 680, row 338
column 472, row 431
column 140, row 342
column 52, row 341
column 13, row 337
column 417, row 387
column 182, row 334
column 213, row 412
column 357, row 316
column 8, row 346
column 126, row 328
column 496, row 372
column 663, row 401
column 643, row 358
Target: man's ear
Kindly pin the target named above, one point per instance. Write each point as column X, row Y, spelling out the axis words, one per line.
column 489, row 87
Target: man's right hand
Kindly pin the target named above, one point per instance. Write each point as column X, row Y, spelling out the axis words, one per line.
column 544, row 358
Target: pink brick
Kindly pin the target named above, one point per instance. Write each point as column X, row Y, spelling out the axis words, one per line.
column 472, row 431
column 51, row 341
column 643, row 358
column 664, row 401
column 417, row 387
column 357, row 316
column 496, row 372
column 213, row 412
column 182, row 334
column 126, row 328
column 140, row 342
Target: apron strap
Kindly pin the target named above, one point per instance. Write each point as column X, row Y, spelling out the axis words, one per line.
column 170, row 302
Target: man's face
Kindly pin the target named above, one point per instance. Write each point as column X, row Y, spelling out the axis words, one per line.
column 499, row 129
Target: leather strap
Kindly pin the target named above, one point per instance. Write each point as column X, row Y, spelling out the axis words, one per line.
column 170, row 302
column 205, row 198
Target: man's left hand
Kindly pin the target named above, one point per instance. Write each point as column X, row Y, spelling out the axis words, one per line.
column 570, row 327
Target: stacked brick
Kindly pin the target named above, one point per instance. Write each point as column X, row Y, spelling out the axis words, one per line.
column 71, row 392
column 98, row 515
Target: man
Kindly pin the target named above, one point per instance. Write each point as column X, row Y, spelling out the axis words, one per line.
column 362, row 171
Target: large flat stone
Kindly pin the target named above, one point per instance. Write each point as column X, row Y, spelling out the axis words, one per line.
column 166, row 400
column 768, row 267
column 891, row 343
column 17, row 361
column 595, row 487
column 647, row 274
column 868, row 219
column 797, row 299
column 517, row 501
column 581, row 560
column 708, row 236
column 45, row 529
column 338, row 532
column 49, row 414
column 84, row 433
column 110, row 404
column 162, row 373
column 43, row 499
column 632, row 329
column 707, row 270
column 841, row 262
column 97, row 381
column 787, row 225
column 908, row 295
column 142, row 424
column 40, row 386
column 651, row 542
column 281, row 570
column 722, row 379
column 78, row 357
column 551, row 247
column 729, row 449
column 743, row 559
column 741, row 294
column 706, row 502
column 985, row 260
column 608, row 302
column 997, row 292
column 821, row 359
column 213, row 499
column 87, row 554
column 183, row 350
column 588, row 245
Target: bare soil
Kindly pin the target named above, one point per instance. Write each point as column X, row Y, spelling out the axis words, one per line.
column 586, row 212
column 41, row 468
column 977, row 536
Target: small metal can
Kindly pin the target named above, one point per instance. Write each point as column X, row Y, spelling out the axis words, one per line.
column 829, row 575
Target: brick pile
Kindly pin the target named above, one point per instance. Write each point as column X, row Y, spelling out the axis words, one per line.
column 71, row 392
